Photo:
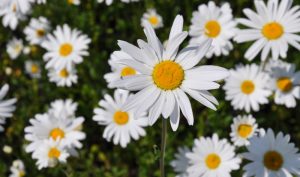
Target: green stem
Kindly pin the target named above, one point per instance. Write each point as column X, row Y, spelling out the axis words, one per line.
column 163, row 147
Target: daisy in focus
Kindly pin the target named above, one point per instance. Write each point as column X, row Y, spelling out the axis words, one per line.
column 153, row 18
column 33, row 69
column 7, row 107
column 119, row 71
column 166, row 75
column 14, row 48
column 65, row 47
column 17, row 169
column 285, row 81
column 63, row 77
column 181, row 162
column 246, row 88
column 216, row 23
column 37, row 30
column 273, row 28
column 272, row 155
column 212, row 157
column 121, row 126
column 242, row 129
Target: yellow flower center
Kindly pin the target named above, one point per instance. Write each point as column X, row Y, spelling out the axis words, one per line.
column 153, row 20
column 34, row 68
column 40, row 33
column 212, row 29
column 70, row 1
column 14, row 7
column 65, row 49
column 247, row 87
column 54, row 153
column 213, row 161
column 168, row 75
column 21, row 173
column 57, row 133
column 273, row 160
column 272, row 31
column 284, row 84
column 245, row 130
column 121, row 118
column 127, row 71
column 64, row 73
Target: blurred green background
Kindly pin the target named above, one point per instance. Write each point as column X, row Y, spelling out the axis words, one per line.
column 105, row 25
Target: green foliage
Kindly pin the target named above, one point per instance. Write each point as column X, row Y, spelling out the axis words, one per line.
column 105, row 25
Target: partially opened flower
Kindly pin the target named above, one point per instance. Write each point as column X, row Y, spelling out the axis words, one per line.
column 273, row 27
column 181, row 162
column 272, row 155
column 33, row 69
column 166, row 75
column 121, row 125
column 153, row 18
column 14, row 48
column 6, row 106
column 17, row 169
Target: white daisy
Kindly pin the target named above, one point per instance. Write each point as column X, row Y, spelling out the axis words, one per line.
column 51, row 126
column 285, row 81
column 14, row 48
column 242, row 129
column 33, row 68
column 109, row 2
column 271, row 155
column 36, row 30
column 63, row 77
column 121, row 125
column 17, row 169
column 166, row 75
column 181, row 162
column 74, row 2
column 65, row 47
column 6, row 106
column 246, row 87
column 67, row 106
column 118, row 70
column 212, row 157
column 153, row 18
column 216, row 23
column 273, row 27
column 49, row 153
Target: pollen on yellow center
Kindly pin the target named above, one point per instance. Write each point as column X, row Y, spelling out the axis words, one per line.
column 244, row 130
column 273, row 160
column 247, row 87
column 34, row 68
column 54, row 153
column 284, row 84
column 272, row 31
column 65, row 49
column 213, row 161
column 40, row 33
column 212, row 28
column 153, row 20
column 121, row 118
column 64, row 73
column 57, row 133
column 168, row 75
column 128, row 71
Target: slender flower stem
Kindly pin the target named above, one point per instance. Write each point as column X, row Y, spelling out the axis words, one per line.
column 163, row 147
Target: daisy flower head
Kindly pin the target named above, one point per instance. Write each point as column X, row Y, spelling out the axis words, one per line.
column 212, row 157
column 246, row 87
column 33, row 69
column 273, row 28
column 166, row 75
column 119, row 71
column 17, row 169
column 181, row 162
column 50, row 153
column 65, row 47
column 242, row 129
column 121, row 126
column 68, row 107
column 14, row 48
column 153, row 18
column 63, row 77
column 285, row 81
column 272, row 155
column 216, row 23
column 6, row 106
column 37, row 30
